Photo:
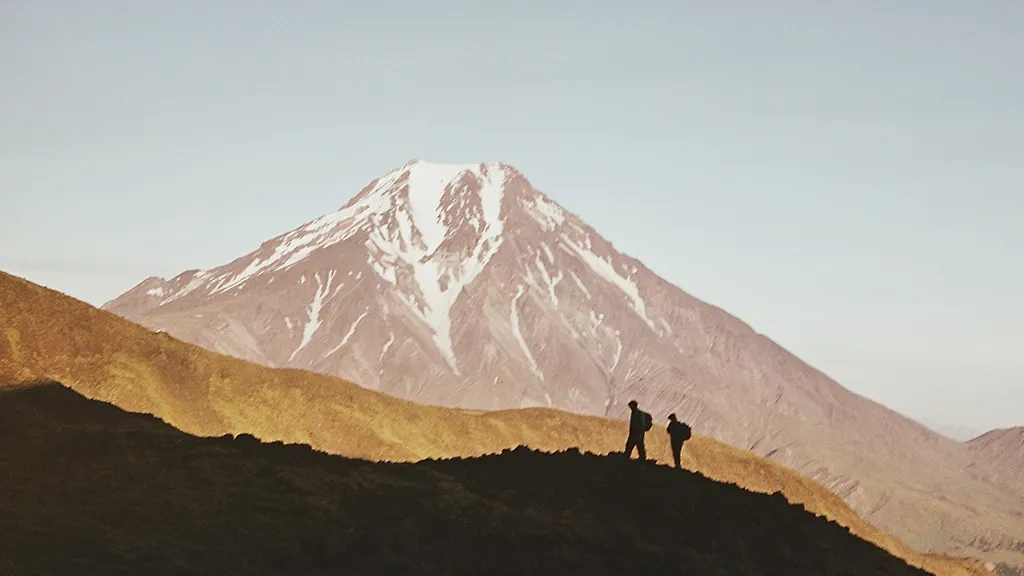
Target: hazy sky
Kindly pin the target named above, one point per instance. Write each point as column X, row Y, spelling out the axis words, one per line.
column 848, row 179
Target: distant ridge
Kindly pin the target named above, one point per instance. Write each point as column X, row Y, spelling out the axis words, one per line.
column 954, row 431
column 1000, row 454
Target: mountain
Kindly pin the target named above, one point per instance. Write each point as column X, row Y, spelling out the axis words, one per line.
column 46, row 336
column 998, row 456
column 1002, row 452
column 149, row 499
column 463, row 286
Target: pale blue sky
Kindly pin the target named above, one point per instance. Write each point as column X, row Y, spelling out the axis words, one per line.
column 848, row 177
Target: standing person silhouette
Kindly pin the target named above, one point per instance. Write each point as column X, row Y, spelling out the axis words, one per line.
column 639, row 423
column 678, row 433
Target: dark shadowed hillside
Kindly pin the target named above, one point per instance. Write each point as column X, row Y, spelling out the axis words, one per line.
column 89, row 488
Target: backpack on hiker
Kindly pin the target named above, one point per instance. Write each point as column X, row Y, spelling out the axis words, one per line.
column 687, row 432
column 648, row 421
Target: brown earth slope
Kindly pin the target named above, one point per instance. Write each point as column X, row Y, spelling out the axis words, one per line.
column 1001, row 452
column 998, row 456
column 149, row 499
column 49, row 336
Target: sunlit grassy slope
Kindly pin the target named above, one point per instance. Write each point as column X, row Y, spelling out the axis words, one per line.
column 47, row 335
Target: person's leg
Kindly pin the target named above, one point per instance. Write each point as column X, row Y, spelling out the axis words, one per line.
column 677, row 448
column 640, row 448
column 630, row 443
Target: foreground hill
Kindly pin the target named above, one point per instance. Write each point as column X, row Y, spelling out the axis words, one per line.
column 464, row 286
column 89, row 488
column 46, row 335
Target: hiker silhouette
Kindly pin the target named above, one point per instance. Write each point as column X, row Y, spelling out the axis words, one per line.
column 639, row 423
column 678, row 433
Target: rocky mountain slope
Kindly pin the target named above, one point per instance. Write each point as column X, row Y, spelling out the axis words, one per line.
column 48, row 336
column 464, row 286
column 1003, row 447
column 999, row 454
column 150, row 499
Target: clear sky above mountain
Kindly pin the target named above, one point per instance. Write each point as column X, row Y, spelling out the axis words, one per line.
column 848, row 180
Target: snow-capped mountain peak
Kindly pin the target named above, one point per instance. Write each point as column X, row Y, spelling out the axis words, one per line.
column 419, row 201
column 421, row 235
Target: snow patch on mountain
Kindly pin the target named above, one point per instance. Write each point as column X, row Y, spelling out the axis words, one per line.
column 547, row 251
column 197, row 280
column 618, row 352
column 606, row 270
column 440, row 279
column 514, row 323
column 314, row 311
column 384, row 350
column 548, row 214
column 348, row 335
column 580, row 284
column 549, row 280
column 427, row 183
